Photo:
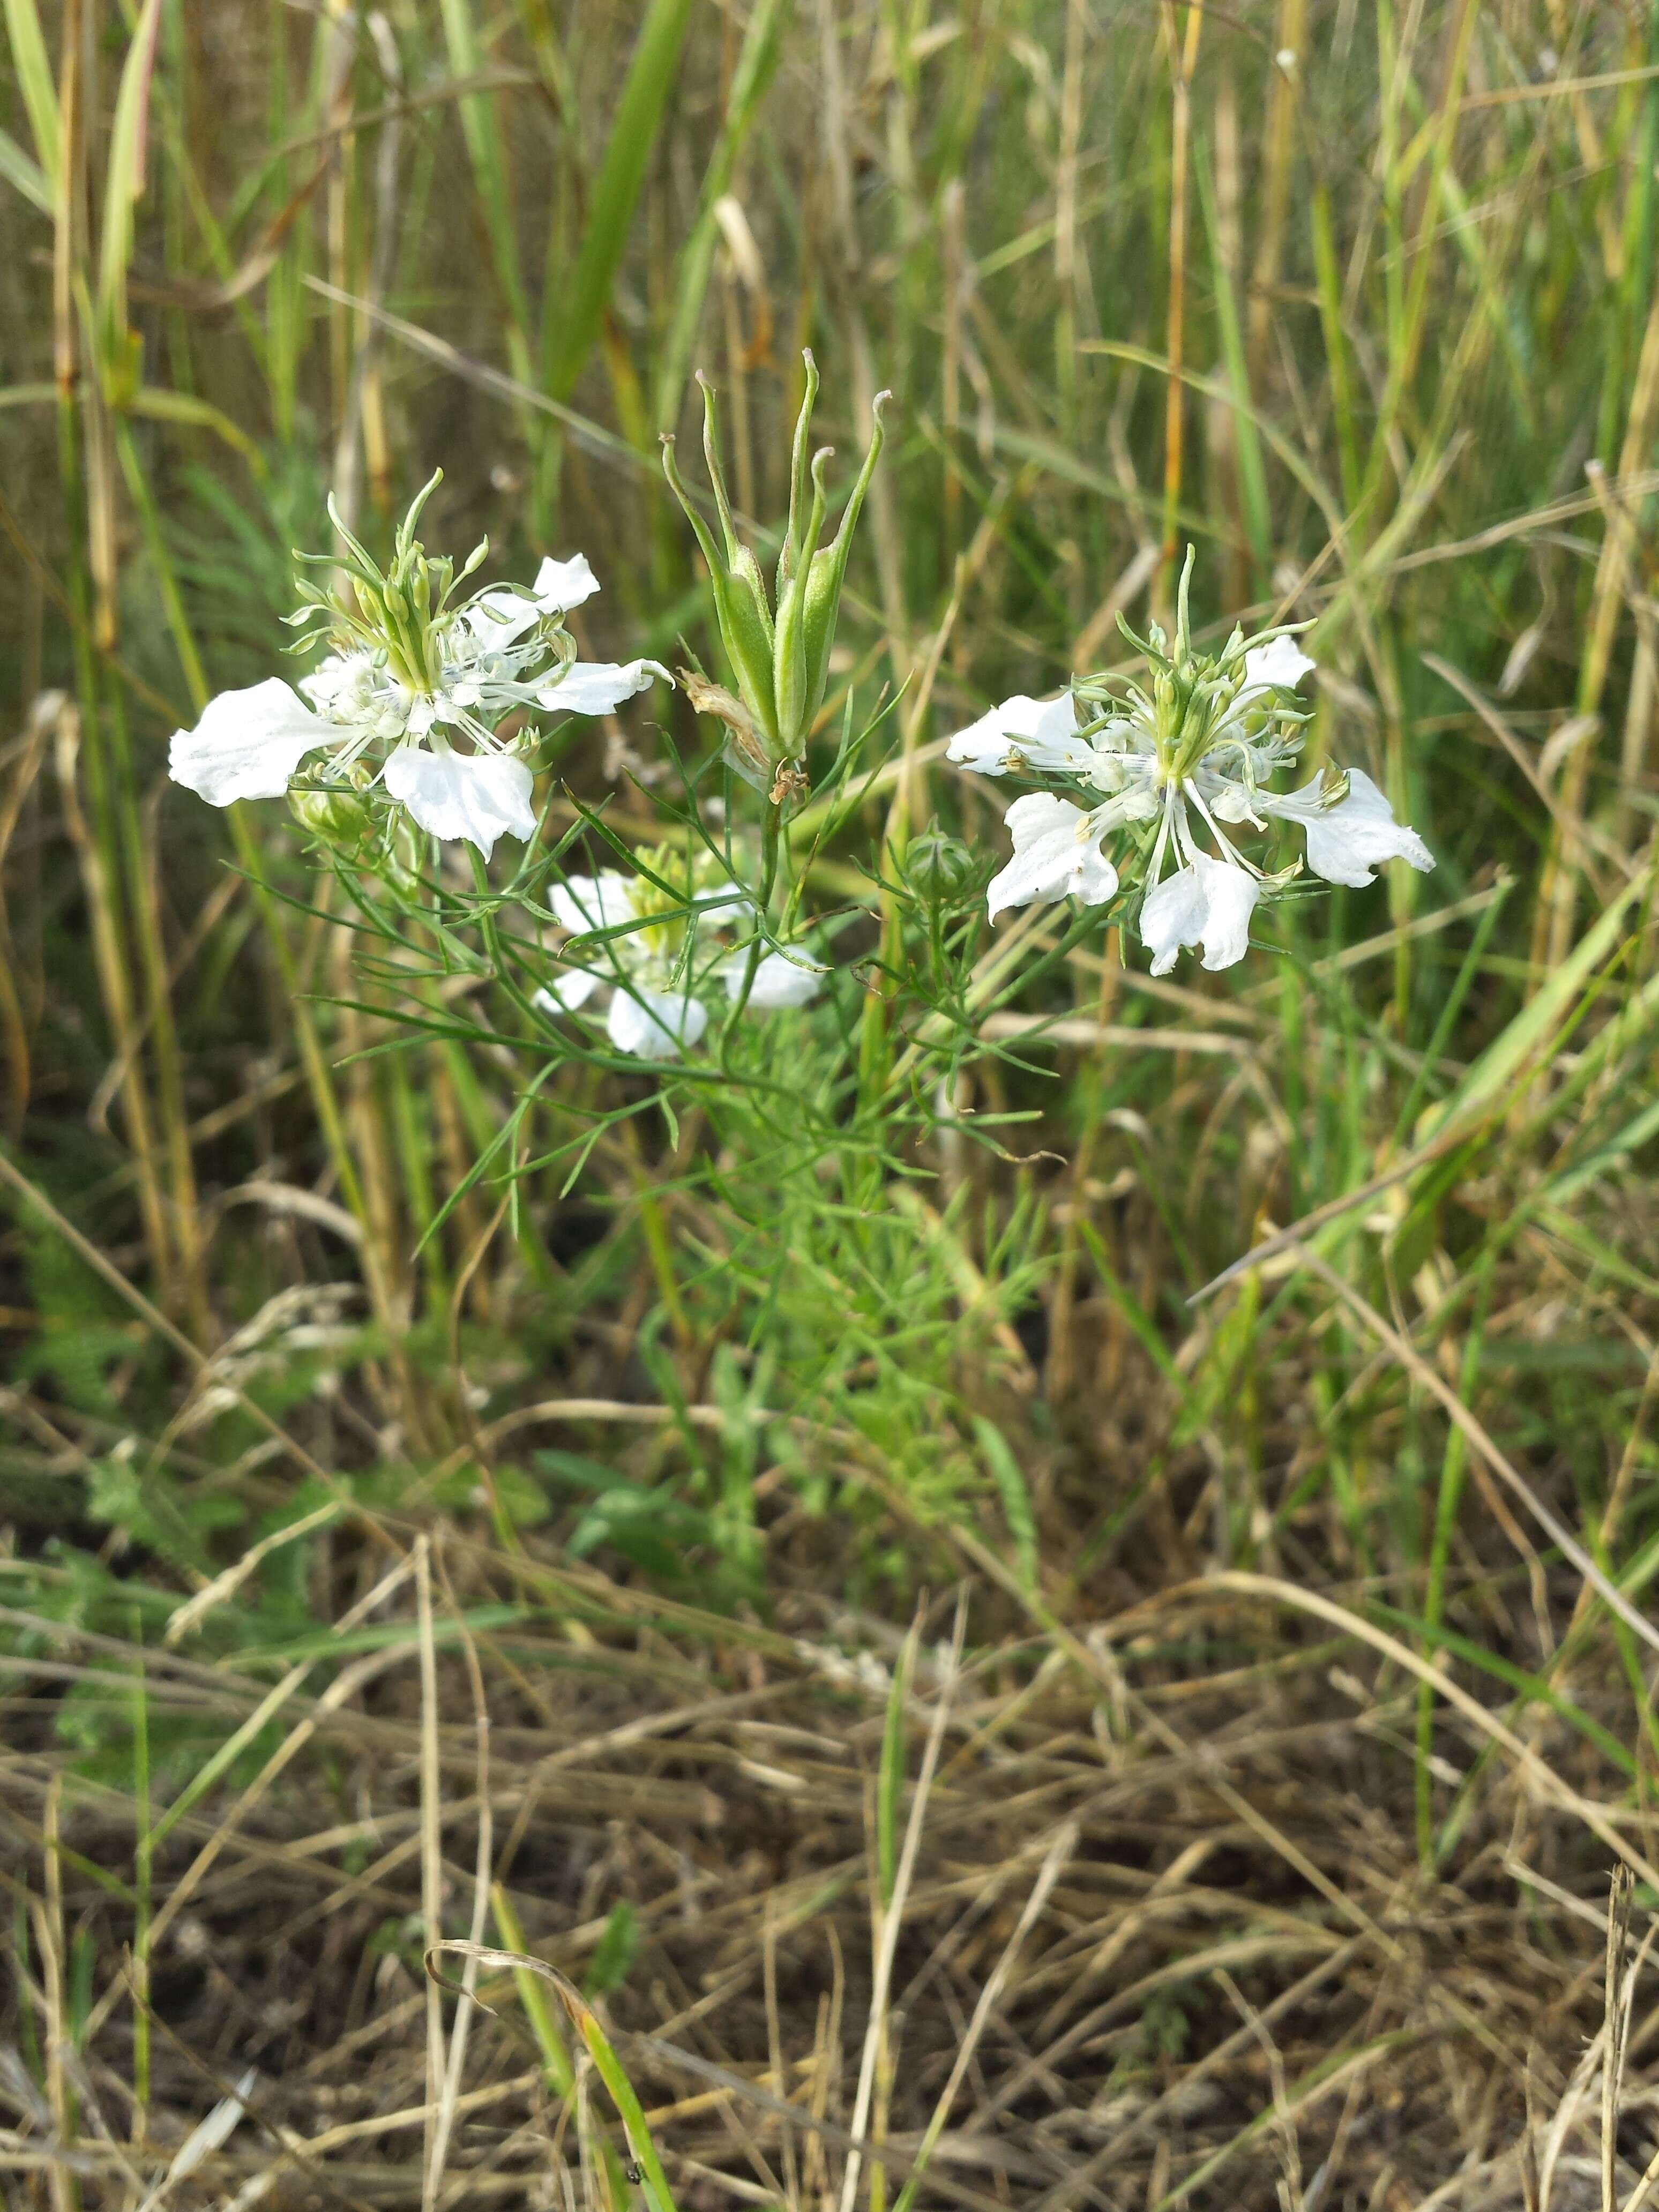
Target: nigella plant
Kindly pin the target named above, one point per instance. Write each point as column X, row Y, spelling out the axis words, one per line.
column 424, row 699
column 1172, row 775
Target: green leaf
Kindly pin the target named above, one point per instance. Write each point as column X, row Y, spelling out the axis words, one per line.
column 1252, row 473
column 481, row 131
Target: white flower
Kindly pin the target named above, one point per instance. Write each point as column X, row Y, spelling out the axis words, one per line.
column 1279, row 665
column 248, row 744
column 1346, row 840
column 1207, row 902
column 1056, row 855
column 1024, row 732
column 423, row 695
column 1200, row 755
column 475, row 796
column 658, row 987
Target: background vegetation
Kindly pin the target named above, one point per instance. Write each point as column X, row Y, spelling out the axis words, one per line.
column 962, row 1690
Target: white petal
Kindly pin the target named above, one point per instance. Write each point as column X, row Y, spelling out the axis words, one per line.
column 1208, row 903
column 561, row 585
column 567, row 992
column 1279, row 665
column 780, row 980
column 495, row 619
column 498, row 618
column 1024, row 732
column 1056, row 855
column 1232, row 900
column 475, row 796
column 337, row 675
column 1345, row 841
column 595, row 687
column 588, row 902
column 247, row 744
column 655, row 1024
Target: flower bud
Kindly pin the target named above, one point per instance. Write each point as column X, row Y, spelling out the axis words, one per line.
column 334, row 814
column 937, row 866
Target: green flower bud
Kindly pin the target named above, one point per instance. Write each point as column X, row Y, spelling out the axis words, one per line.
column 334, row 814
column 937, row 866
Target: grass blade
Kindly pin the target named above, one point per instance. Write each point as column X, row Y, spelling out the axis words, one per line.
column 757, row 62
column 124, row 183
column 35, row 79
column 651, row 77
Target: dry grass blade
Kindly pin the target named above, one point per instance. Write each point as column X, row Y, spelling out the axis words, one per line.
column 1409, row 1358
column 888, row 1916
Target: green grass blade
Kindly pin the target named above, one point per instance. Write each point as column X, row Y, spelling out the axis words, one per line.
column 34, row 78
column 651, row 77
column 649, row 2167
column 556, row 2052
column 1010, row 1478
column 23, row 174
column 758, row 62
column 124, row 183
column 1252, row 472
column 481, row 133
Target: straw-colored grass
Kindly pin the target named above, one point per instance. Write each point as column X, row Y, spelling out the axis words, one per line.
column 995, row 1703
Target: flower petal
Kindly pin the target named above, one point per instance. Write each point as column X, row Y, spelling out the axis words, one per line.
column 1346, row 840
column 475, row 796
column 1208, row 903
column 780, row 980
column 499, row 618
column 1056, row 855
column 564, row 994
column 584, row 903
column 247, row 744
column 654, row 1024
column 1024, row 732
column 1279, row 665
column 595, row 687
column 561, row 585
